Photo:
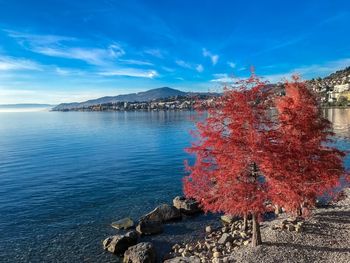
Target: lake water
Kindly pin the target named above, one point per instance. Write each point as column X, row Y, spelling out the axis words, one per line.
column 64, row 177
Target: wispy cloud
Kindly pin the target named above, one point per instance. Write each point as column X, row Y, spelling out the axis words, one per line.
column 155, row 53
column 200, row 68
column 214, row 58
column 310, row 71
column 67, row 71
column 93, row 56
column 32, row 39
column 10, row 63
column 130, row 73
column 231, row 64
column 223, row 78
column 183, row 64
column 67, row 47
column 135, row 62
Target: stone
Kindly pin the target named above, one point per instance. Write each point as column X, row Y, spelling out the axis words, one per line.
column 149, row 227
column 224, row 229
column 208, row 229
column 124, row 223
column 185, row 254
column 290, row 227
column 118, row 244
column 163, row 213
column 225, row 238
column 192, row 259
column 186, row 206
column 228, row 219
column 176, row 247
column 141, row 253
column 298, row 228
column 243, row 234
column 216, row 254
column 246, row 243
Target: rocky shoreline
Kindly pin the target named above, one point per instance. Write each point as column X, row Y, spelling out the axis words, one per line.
column 286, row 239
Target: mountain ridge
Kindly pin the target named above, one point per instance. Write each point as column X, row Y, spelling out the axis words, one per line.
column 143, row 96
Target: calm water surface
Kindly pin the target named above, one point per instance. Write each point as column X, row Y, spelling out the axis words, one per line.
column 64, row 177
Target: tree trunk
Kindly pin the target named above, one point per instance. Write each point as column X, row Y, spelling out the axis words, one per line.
column 245, row 222
column 256, row 239
column 299, row 211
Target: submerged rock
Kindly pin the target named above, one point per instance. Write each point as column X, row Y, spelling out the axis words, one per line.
column 149, row 227
column 124, row 223
column 118, row 244
column 186, row 206
column 162, row 213
column 141, row 253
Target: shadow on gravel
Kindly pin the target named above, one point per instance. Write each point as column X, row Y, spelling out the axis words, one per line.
column 341, row 217
column 307, row 247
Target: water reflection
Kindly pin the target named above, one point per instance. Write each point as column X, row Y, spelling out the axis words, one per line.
column 340, row 119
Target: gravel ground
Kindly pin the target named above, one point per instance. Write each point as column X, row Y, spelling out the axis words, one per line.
column 325, row 238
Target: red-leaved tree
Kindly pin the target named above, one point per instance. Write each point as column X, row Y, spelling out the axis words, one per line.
column 303, row 165
column 254, row 148
column 225, row 176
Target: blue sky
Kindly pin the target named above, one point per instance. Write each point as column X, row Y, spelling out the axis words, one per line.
column 63, row 51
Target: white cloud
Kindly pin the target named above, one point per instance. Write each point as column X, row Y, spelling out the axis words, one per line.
column 231, row 64
column 66, row 47
column 135, row 62
column 32, row 39
column 223, row 78
column 155, row 52
column 68, row 71
column 131, row 73
column 200, row 68
column 94, row 56
column 214, row 58
column 183, row 64
column 10, row 63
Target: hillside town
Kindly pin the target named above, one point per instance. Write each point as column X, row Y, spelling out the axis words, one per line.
column 334, row 90
column 169, row 103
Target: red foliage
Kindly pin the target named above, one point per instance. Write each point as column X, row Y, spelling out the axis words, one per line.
column 231, row 139
column 303, row 165
column 253, row 149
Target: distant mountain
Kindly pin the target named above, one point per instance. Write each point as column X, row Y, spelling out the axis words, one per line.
column 145, row 96
column 25, row 105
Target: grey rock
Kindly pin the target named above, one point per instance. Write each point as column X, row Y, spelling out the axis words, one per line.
column 228, row 219
column 186, row 206
column 149, row 227
column 118, row 244
column 163, row 213
column 141, row 253
column 225, row 238
column 191, row 259
column 124, row 223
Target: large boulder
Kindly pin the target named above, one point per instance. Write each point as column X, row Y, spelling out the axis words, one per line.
column 118, row 244
column 149, row 227
column 162, row 213
column 186, row 206
column 124, row 223
column 141, row 253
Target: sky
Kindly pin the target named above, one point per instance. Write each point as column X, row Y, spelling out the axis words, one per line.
column 65, row 51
